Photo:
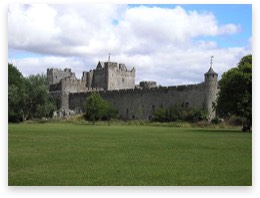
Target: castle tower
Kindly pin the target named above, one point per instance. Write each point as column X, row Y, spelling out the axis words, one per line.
column 211, row 90
column 55, row 75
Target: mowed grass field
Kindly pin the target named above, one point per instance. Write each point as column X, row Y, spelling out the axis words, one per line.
column 73, row 154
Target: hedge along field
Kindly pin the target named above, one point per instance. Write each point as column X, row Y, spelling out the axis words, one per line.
column 69, row 154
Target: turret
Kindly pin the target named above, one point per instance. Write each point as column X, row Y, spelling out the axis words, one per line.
column 89, row 79
column 211, row 90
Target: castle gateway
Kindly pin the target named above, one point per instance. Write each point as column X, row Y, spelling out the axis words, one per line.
column 116, row 84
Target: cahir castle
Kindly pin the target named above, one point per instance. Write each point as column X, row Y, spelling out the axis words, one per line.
column 116, row 84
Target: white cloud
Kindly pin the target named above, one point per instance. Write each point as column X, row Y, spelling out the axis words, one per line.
column 36, row 65
column 30, row 26
column 229, row 29
column 206, row 44
column 158, row 42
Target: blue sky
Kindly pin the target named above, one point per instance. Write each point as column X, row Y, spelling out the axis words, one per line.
column 230, row 13
column 155, row 39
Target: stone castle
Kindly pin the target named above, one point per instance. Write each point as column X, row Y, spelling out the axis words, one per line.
column 116, row 84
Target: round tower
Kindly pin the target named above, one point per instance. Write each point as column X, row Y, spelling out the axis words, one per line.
column 211, row 90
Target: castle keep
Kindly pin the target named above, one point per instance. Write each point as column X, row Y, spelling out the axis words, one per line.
column 116, row 84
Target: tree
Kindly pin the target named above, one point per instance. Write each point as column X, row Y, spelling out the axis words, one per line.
column 16, row 91
column 235, row 95
column 28, row 97
column 38, row 101
column 97, row 108
column 179, row 113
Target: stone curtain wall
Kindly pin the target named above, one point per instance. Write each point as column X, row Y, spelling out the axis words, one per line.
column 141, row 103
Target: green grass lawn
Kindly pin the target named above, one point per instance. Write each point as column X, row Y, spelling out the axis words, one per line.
column 74, row 154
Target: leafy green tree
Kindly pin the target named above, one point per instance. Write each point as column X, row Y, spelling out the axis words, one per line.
column 38, row 101
column 28, row 97
column 97, row 108
column 16, row 92
column 235, row 96
column 15, row 77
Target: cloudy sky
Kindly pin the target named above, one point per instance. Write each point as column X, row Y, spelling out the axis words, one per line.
column 170, row 44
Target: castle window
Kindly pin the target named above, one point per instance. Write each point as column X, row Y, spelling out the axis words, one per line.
column 123, row 80
column 133, row 116
column 153, row 107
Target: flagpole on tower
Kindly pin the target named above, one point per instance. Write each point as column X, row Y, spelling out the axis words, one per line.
column 211, row 61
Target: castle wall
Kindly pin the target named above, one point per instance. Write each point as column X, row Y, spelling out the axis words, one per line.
column 73, row 85
column 69, row 85
column 99, row 79
column 141, row 103
column 120, row 79
column 55, row 75
column 55, row 87
column 112, row 76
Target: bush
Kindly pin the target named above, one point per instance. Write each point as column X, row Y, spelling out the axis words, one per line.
column 195, row 115
column 179, row 113
column 216, row 120
column 234, row 120
column 98, row 109
column 160, row 115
